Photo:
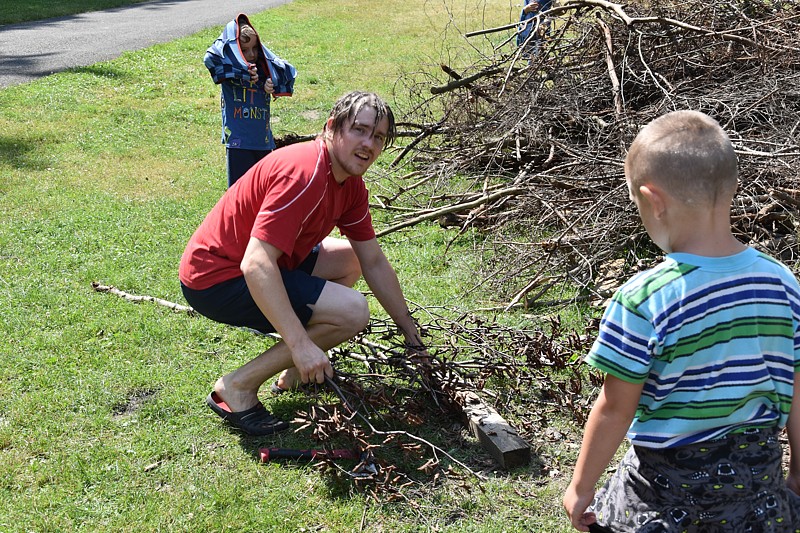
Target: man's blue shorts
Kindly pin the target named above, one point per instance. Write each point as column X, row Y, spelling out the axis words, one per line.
column 230, row 302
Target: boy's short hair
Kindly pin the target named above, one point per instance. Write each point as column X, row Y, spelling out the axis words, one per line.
column 349, row 105
column 686, row 152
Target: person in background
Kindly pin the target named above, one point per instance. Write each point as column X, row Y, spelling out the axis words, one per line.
column 248, row 74
column 701, row 356
column 532, row 31
column 263, row 259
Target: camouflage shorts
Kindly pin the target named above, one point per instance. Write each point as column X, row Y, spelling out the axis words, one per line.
column 733, row 484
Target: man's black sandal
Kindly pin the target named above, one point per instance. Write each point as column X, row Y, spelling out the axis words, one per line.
column 255, row 421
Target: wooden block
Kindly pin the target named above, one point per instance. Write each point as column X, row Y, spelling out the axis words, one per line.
column 496, row 435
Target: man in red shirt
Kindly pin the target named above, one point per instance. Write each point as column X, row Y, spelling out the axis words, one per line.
column 263, row 259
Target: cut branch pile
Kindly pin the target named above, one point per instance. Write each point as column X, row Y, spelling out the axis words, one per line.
column 383, row 400
column 531, row 153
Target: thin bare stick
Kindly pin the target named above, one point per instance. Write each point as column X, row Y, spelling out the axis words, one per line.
column 452, row 209
column 136, row 298
column 612, row 73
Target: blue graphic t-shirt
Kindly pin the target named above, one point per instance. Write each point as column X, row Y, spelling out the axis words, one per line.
column 245, row 115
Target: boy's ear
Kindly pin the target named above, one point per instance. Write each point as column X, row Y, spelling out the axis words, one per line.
column 655, row 197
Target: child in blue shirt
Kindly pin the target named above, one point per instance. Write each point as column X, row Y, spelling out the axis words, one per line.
column 248, row 73
column 701, row 355
column 531, row 44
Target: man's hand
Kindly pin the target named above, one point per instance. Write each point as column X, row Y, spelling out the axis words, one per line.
column 311, row 362
column 416, row 351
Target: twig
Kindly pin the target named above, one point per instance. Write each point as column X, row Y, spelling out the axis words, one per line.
column 335, row 388
column 135, row 298
column 452, row 209
column 464, row 81
column 612, row 73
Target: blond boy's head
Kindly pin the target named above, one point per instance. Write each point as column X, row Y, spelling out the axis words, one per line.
column 688, row 155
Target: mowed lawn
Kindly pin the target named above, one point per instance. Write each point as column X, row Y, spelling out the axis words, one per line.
column 15, row 11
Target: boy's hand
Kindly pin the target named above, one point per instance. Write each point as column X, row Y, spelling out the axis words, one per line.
column 576, row 504
column 532, row 7
column 269, row 87
column 253, row 71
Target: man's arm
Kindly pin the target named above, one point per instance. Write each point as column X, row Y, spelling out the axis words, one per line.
column 608, row 422
column 793, row 429
column 263, row 277
column 383, row 282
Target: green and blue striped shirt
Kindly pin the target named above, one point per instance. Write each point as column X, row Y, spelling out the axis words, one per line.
column 715, row 340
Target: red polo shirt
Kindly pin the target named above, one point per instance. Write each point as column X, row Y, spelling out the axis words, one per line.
column 290, row 200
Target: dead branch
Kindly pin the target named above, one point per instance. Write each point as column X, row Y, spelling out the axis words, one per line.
column 452, row 209
column 136, row 298
column 463, row 82
column 612, row 73
column 619, row 11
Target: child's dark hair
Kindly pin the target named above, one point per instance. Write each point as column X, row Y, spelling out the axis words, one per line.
column 348, row 106
column 247, row 32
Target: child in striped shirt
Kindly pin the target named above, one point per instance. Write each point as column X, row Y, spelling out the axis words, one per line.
column 701, row 356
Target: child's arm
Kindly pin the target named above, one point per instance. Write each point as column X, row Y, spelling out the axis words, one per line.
column 531, row 7
column 222, row 69
column 606, row 427
column 793, row 429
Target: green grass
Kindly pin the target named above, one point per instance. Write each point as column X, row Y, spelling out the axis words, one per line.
column 104, row 179
column 15, row 11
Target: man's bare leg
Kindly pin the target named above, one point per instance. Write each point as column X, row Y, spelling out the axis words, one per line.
column 339, row 314
column 337, row 263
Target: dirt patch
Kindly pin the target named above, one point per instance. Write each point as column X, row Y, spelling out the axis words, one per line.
column 311, row 114
column 135, row 400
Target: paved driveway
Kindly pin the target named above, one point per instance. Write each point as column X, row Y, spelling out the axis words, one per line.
column 31, row 50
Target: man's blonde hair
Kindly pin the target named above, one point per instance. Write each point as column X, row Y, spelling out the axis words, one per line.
column 688, row 154
column 348, row 106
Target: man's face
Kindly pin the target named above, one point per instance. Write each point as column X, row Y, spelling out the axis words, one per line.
column 356, row 146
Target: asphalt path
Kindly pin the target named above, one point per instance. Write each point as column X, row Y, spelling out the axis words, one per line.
column 31, row 50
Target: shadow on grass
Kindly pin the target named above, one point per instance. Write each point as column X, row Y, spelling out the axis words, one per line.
column 286, row 408
column 102, row 70
column 407, row 458
column 411, row 462
column 23, row 153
